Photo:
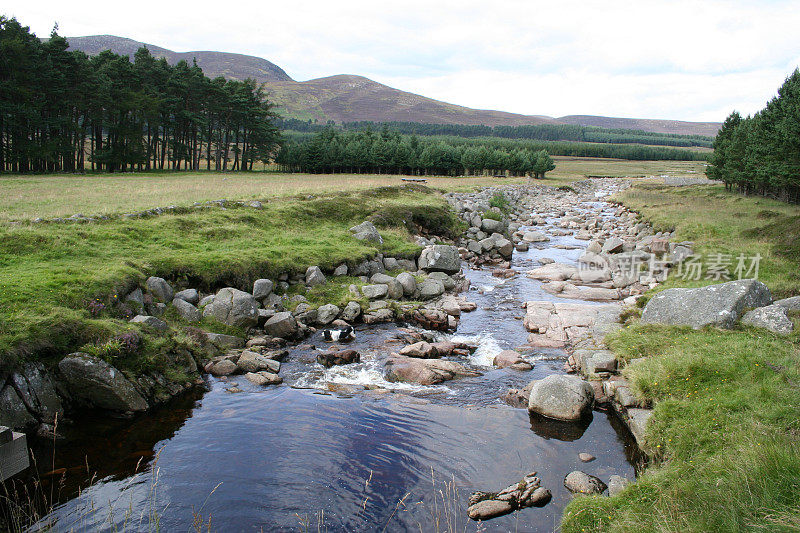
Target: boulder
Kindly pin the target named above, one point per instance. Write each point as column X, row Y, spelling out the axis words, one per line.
column 508, row 358
column 535, row 236
column 578, row 482
column 282, row 325
column 553, row 272
column 351, row 311
column 366, row 231
column 234, row 308
column 37, row 392
column 263, row 378
column 159, row 289
column 613, row 245
column 504, row 247
column 561, row 397
column 340, row 270
column 423, row 371
column 772, row 317
column 151, row 321
column 430, row 288
column 186, row 310
column 490, row 226
column 394, row 288
column 715, row 305
column 225, row 341
column 188, row 295
column 422, row 349
column 440, row 258
column 136, row 298
column 255, row 362
column 340, row 357
column 448, row 282
column 13, row 412
column 224, row 367
column 327, row 313
column 314, row 276
column 262, row 288
column 94, row 382
column 790, row 304
column 373, row 292
column 408, row 282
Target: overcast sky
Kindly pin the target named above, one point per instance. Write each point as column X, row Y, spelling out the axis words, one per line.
column 684, row 60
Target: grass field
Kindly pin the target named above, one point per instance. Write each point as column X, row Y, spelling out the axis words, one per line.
column 27, row 197
column 52, row 275
column 726, row 422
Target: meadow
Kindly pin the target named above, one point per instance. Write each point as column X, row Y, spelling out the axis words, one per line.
column 26, row 197
column 725, row 427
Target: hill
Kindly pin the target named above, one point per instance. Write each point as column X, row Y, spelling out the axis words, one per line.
column 680, row 127
column 349, row 98
column 232, row 66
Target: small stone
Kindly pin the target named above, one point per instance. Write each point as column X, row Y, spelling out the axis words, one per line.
column 586, row 457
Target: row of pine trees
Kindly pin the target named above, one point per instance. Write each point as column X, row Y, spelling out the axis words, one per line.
column 368, row 152
column 761, row 154
column 61, row 110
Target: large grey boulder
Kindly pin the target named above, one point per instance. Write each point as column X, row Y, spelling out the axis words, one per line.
column 772, row 317
column 327, row 313
column 376, row 291
column 262, row 288
column 561, row 397
column 579, row 482
column 716, row 305
column 187, row 310
column 790, row 304
column 37, row 391
column 255, row 362
column 366, row 231
column 430, row 288
column 440, row 258
column 613, row 245
column 408, row 282
column 314, row 276
column 492, row 226
column 351, row 311
column 159, row 289
column 395, row 289
column 281, row 325
column 95, row 383
column 233, row 307
column 150, row 321
column 189, row 295
column 423, row 371
column 13, row 412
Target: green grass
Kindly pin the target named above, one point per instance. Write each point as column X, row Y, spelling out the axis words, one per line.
column 50, row 274
column 725, row 431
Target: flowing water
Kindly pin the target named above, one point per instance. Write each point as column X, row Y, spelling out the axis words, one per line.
column 342, row 446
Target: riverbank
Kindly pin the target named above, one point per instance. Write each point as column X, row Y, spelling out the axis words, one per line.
column 724, row 426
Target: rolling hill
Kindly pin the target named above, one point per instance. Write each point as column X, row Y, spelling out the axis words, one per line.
column 346, row 98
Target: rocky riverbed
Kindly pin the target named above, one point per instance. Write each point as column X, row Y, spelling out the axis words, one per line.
column 464, row 361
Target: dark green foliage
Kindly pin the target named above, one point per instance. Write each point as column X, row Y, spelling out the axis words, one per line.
column 332, row 151
column 57, row 107
column 540, row 132
column 761, row 154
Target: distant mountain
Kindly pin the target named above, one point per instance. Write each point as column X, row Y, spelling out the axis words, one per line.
column 347, row 98
column 232, row 66
column 645, row 124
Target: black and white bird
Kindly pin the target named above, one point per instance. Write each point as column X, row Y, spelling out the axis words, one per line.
column 339, row 335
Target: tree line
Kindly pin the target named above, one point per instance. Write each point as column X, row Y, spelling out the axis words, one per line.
column 761, row 154
column 540, row 132
column 62, row 110
column 365, row 151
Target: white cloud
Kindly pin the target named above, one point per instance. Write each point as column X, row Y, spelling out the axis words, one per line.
column 679, row 59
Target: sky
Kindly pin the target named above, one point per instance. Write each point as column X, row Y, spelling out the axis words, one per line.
column 681, row 60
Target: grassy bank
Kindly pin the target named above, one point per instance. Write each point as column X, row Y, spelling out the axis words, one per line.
column 726, row 403
column 61, row 284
